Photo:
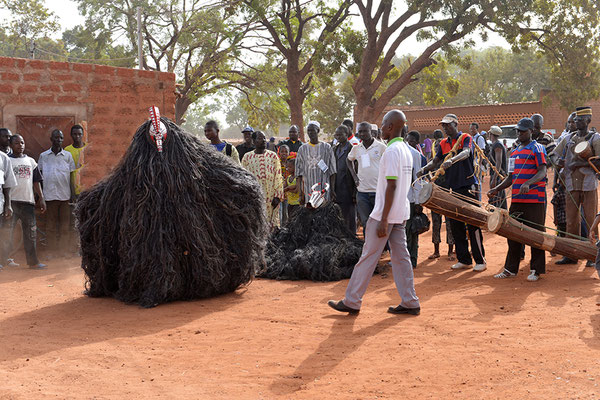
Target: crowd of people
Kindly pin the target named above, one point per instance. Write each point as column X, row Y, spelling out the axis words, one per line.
column 354, row 172
column 52, row 184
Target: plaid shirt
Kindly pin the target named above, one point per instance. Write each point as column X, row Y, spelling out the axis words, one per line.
column 559, row 201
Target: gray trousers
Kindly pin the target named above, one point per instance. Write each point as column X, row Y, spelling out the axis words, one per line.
column 371, row 252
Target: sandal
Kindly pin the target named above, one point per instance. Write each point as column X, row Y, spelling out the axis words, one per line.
column 433, row 256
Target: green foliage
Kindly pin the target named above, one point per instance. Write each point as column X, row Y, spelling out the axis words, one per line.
column 85, row 45
column 331, row 104
column 29, row 22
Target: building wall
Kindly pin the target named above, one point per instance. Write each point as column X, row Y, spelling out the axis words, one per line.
column 426, row 120
column 110, row 102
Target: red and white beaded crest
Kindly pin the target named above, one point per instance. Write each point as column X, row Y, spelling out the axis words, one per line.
column 158, row 130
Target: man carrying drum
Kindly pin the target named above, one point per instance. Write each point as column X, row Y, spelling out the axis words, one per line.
column 580, row 178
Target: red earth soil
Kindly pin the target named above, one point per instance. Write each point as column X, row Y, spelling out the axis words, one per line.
column 476, row 337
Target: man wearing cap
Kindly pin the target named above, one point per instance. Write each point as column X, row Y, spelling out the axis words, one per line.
column 527, row 175
column 247, row 146
column 498, row 159
column 315, row 163
column 580, row 178
column 292, row 142
column 459, row 176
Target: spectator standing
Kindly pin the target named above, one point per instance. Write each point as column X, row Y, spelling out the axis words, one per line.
column 427, row 143
column 283, row 152
column 7, row 182
column 527, row 175
column 498, row 159
column 478, row 162
column 77, row 152
column 211, row 131
column 5, row 135
column 419, row 161
column 265, row 165
column 29, row 180
column 293, row 143
column 345, row 188
column 459, row 176
column 436, row 219
column 367, row 156
column 56, row 166
column 580, row 178
column 291, row 189
column 545, row 139
column 387, row 224
column 315, row 163
column 246, row 145
column 271, row 144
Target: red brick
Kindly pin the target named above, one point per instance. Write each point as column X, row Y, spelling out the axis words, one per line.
column 36, row 64
column 168, row 77
column 28, row 88
column 20, row 62
column 66, row 99
column 71, row 87
column 32, row 77
column 61, row 77
column 50, row 88
column 126, row 72
column 6, row 88
column 146, row 74
column 59, row 66
column 7, row 62
column 9, row 76
column 44, row 99
column 104, row 69
column 83, row 67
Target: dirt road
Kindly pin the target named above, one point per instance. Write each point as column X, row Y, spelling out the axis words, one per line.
column 475, row 338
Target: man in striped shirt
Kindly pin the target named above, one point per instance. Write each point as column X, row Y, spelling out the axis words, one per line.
column 527, row 175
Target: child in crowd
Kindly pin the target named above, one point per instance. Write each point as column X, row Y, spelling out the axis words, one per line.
column 23, row 199
column 283, row 152
column 291, row 190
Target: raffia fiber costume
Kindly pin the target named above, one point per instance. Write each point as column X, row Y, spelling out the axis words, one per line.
column 175, row 220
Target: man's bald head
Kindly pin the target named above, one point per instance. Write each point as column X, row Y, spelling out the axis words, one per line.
column 393, row 123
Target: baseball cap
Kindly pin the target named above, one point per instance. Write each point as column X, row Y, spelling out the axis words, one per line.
column 525, row 124
column 495, row 130
column 449, row 118
column 248, row 129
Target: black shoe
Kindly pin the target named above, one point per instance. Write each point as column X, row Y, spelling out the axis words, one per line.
column 341, row 307
column 404, row 310
column 565, row 260
column 590, row 264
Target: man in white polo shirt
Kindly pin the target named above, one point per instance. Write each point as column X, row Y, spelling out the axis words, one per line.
column 368, row 155
column 387, row 223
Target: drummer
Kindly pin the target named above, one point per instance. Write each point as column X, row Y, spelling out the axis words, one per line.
column 580, row 178
column 527, row 175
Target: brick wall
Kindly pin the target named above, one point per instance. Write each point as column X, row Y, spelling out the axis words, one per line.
column 111, row 102
column 425, row 119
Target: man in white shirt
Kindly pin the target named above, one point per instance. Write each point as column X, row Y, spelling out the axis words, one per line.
column 56, row 166
column 7, row 181
column 368, row 156
column 387, row 223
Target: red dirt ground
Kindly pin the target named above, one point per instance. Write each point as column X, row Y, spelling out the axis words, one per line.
column 476, row 337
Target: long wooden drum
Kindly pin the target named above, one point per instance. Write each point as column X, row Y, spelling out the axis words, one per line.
column 442, row 202
column 503, row 224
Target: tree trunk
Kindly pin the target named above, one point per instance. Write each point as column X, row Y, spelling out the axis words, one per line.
column 294, row 86
column 181, row 105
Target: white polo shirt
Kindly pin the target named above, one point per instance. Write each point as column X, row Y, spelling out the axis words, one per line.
column 56, row 169
column 396, row 164
column 368, row 164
